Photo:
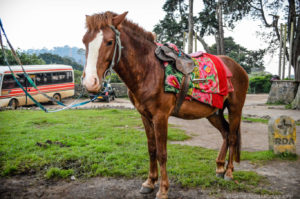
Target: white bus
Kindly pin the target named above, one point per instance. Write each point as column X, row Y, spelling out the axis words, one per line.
column 56, row 81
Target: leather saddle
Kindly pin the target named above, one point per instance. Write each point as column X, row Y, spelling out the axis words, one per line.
column 183, row 63
column 179, row 59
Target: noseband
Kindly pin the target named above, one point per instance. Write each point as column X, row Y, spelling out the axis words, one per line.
column 117, row 46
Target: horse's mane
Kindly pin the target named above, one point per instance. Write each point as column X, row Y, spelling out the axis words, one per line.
column 100, row 20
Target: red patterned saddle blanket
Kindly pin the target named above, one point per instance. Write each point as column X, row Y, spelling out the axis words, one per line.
column 210, row 79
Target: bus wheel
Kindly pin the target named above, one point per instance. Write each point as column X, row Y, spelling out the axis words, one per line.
column 57, row 97
column 13, row 103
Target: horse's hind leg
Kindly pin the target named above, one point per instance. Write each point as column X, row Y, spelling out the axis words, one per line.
column 148, row 185
column 218, row 121
column 234, row 139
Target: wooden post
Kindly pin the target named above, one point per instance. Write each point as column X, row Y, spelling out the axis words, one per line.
column 291, row 49
column 284, row 52
column 184, row 43
column 195, row 41
column 220, row 22
column 191, row 27
column 280, row 51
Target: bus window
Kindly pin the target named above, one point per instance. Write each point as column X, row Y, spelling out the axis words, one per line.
column 62, row 77
column 55, row 78
column 39, row 79
column 43, row 79
column 69, row 77
column 47, row 78
column 21, row 78
column 9, row 82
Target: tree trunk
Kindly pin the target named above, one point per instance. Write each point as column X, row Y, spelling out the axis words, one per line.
column 191, row 32
column 296, row 52
column 218, row 43
column 204, row 44
column 221, row 31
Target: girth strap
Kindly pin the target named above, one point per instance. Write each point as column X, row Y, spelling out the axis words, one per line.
column 182, row 93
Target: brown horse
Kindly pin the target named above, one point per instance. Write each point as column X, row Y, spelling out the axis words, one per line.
column 143, row 74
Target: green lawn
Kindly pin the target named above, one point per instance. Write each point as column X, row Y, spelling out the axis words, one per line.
column 108, row 142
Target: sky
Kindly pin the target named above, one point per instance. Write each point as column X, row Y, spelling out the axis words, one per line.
column 36, row 24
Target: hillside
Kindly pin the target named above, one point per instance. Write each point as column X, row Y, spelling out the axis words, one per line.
column 77, row 54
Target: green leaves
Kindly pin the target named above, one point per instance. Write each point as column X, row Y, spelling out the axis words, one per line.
column 25, row 58
column 248, row 59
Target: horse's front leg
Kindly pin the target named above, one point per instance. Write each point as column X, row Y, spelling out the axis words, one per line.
column 148, row 185
column 161, row 131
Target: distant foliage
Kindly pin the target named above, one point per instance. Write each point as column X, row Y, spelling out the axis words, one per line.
column 56, row 59
column 115, row 78
column 77, row 76
column 78, row 73
column 250, row 60
column 25, row 58
column 78, row 54
column 260, row 83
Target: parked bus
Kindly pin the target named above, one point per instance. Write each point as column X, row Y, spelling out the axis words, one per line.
column 56, row 81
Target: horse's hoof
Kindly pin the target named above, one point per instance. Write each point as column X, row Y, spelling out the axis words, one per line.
column 158, row 198
column 146, row 190
column 220, row 175
column 227, row 178
column 161, row 196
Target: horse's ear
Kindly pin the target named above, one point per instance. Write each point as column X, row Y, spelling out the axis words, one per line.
column 87, row 17
column 117, row 20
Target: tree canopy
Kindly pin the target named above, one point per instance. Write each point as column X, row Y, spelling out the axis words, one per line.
column 175, row 22
column 56, row 59
column 270, row 13
column 25, row 58
column 250, row 60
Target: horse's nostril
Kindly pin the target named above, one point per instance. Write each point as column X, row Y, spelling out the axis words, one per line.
column 92, row 84
column 95, row 81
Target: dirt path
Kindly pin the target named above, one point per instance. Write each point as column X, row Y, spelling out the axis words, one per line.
column 284, row 176
column 111, row 188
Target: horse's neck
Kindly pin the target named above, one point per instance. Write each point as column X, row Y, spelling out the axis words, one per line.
column 138, row 66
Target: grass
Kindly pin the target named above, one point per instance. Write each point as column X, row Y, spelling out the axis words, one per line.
column 58, row 173
column 87, row 143
column 259, row 120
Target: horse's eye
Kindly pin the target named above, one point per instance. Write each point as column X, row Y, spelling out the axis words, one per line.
column 109, row 43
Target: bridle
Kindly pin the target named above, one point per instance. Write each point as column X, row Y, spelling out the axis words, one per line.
column 118, row 46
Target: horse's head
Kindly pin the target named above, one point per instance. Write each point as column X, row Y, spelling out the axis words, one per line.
column 100, row 42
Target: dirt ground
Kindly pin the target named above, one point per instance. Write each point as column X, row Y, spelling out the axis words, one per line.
column 284, row 176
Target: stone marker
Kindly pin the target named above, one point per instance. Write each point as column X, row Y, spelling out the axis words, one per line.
column 282, row 135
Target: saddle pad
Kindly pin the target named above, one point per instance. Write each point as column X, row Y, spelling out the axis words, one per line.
column 210, row 91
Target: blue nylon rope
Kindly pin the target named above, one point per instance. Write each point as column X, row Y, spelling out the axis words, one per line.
column 32, row 83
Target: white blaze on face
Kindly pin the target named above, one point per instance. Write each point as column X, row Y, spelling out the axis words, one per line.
column 91, row 64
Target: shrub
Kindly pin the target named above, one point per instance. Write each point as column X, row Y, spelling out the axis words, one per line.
column 115, row 78
column 77, row 76
column 260, row 84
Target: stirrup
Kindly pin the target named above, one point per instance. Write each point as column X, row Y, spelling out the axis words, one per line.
column 198, row 80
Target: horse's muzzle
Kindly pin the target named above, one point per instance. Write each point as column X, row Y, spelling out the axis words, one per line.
column 92, row 84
